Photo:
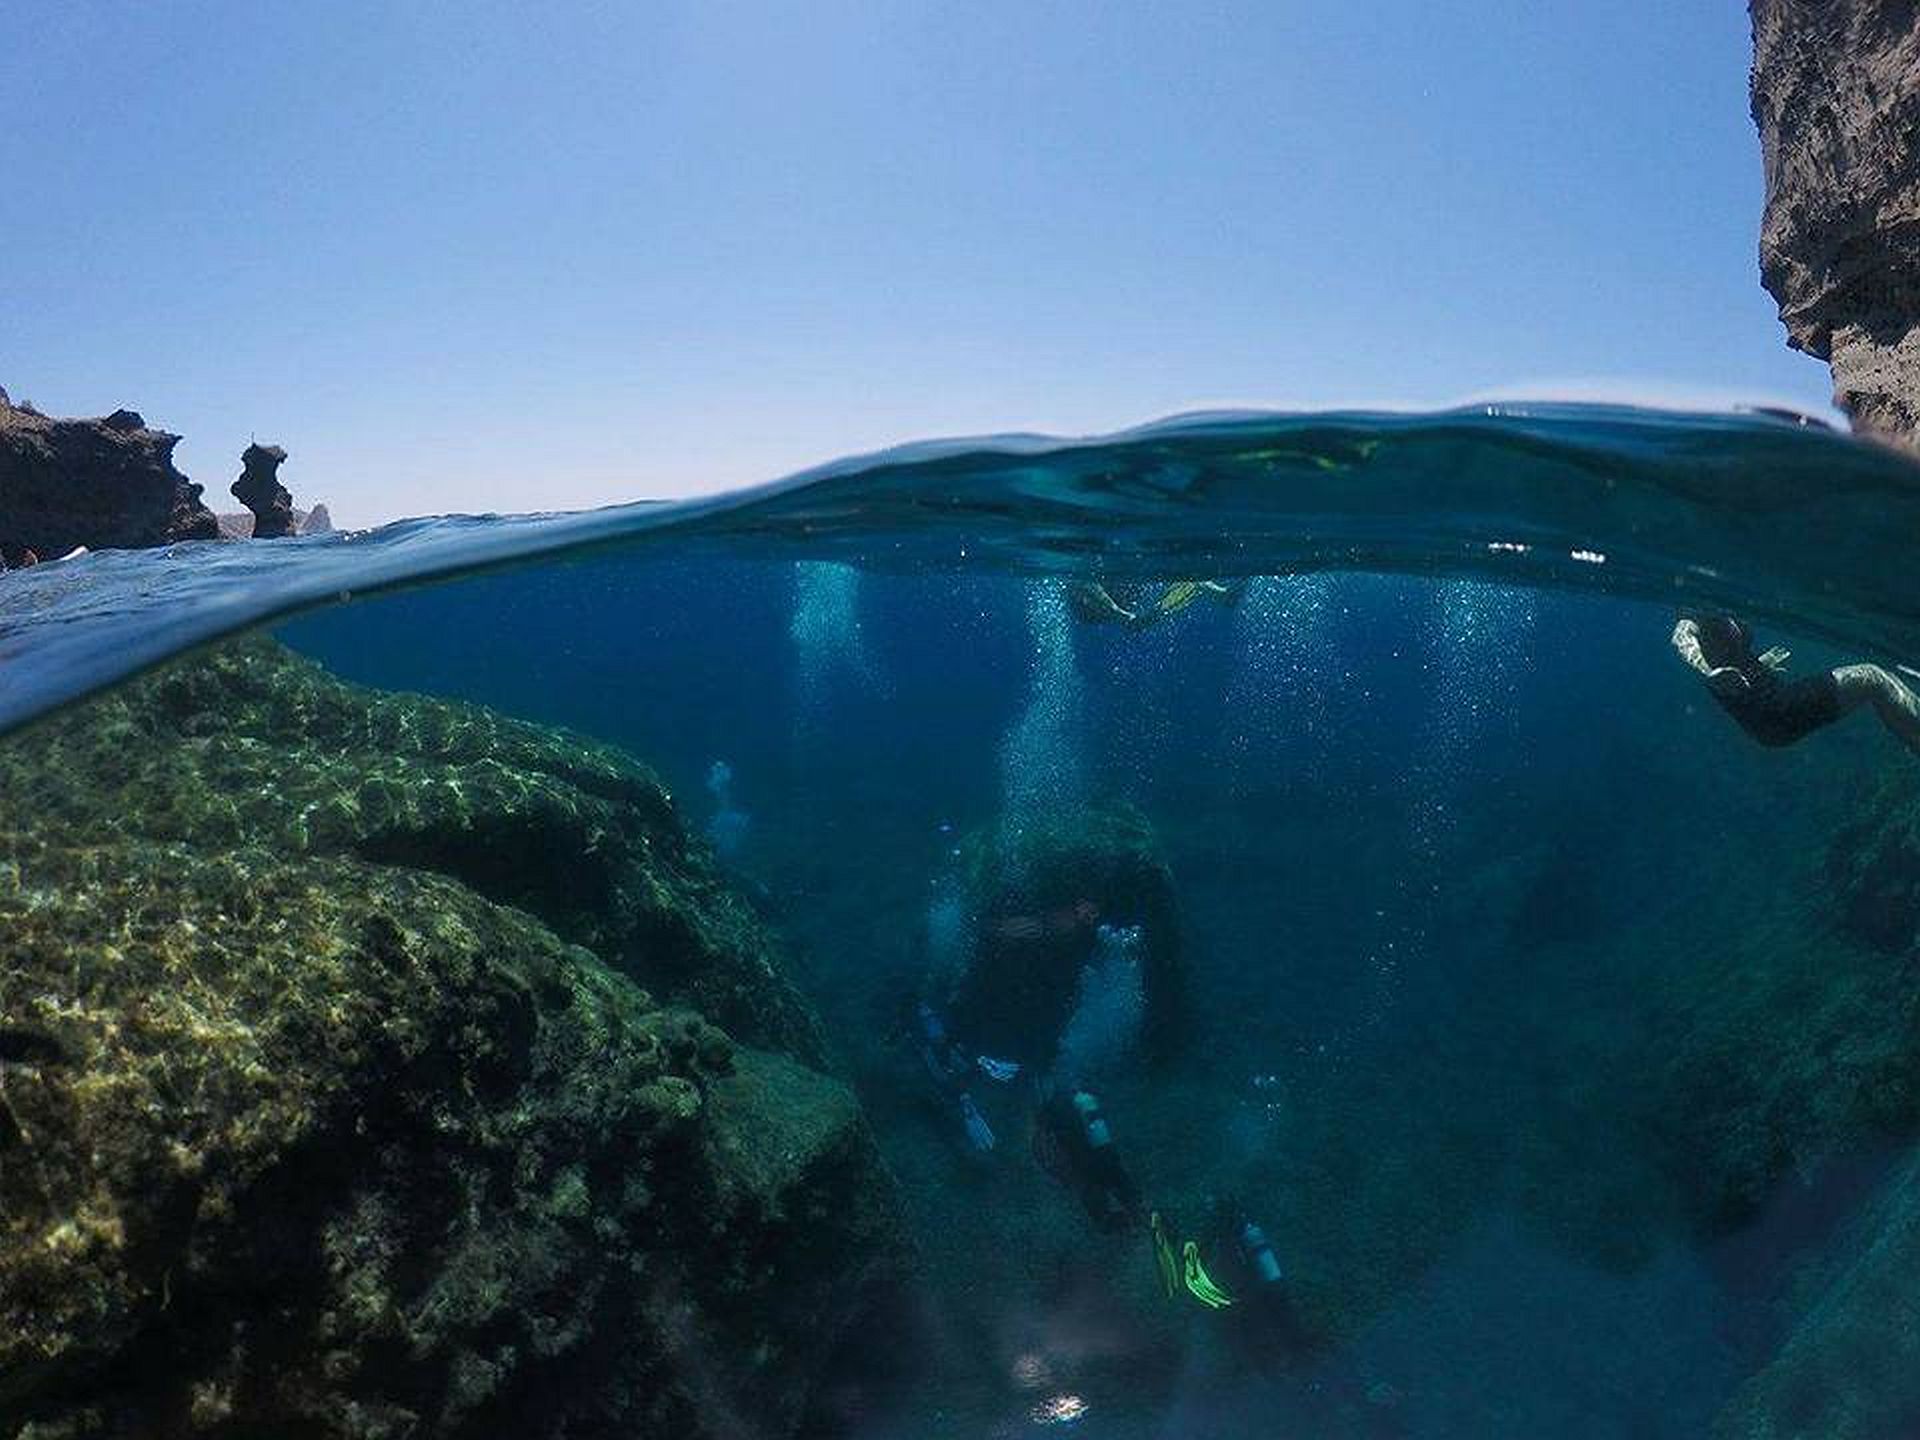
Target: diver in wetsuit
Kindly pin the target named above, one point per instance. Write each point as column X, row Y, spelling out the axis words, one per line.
column 1074, row 1143
column 1775, row 710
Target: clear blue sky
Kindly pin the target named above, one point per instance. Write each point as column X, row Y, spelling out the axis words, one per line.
column 497, row 256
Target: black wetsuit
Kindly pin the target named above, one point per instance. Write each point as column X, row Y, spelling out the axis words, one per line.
column 1085, row 1152
column 1772, row 710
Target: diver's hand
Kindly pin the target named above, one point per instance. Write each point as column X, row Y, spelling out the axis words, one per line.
column 1726, row 680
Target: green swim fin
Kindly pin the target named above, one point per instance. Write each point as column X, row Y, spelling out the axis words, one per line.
column 1164, row 1257
column 1200, row 1284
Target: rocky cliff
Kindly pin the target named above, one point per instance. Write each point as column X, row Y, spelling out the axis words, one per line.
column 372, row 1066
column 1836, row 95
column 106, row 484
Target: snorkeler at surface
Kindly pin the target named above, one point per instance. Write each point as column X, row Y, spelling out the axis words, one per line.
column 1775, row 710
column 1096, row 604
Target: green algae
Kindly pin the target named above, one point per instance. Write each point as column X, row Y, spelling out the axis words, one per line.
column 251, row 747
column 316, row 1119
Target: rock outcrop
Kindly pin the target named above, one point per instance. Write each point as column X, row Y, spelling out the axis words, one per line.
column 106, row 484
column 1849, row 1368
column 238, row 524
column 260, row 490
column 362, row 1075
column 1836, row 96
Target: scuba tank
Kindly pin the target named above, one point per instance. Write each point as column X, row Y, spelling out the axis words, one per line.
column 1093, row 1121
column 1107, row 1191
column 1258, row 1253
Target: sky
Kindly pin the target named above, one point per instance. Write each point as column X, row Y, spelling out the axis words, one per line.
column 508, row 257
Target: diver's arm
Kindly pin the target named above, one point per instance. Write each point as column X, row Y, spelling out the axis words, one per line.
column 1721, row 679
column 1686, row 640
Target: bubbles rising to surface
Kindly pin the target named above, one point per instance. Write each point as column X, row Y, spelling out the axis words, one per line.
column 1277, row 691
column 827, row 643
column 1042, row 758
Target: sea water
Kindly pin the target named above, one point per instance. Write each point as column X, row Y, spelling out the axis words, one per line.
column 1404, row 897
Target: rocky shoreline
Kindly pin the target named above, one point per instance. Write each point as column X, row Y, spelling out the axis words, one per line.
column 111, row 484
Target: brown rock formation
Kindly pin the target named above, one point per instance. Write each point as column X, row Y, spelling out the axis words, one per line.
column 238, row 524
column 1836, row 95
column 105, row 484
column 260, row 490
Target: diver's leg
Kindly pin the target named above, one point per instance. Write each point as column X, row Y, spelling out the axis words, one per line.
column 1896, row 705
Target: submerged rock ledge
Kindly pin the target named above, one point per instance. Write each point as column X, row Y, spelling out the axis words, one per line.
column 332, row 1102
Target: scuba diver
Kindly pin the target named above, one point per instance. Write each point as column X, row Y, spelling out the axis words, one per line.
column 1096, row 604
column 1051, row 982
column 954, row 1071
column 1073, row 1142
column 1778, row 711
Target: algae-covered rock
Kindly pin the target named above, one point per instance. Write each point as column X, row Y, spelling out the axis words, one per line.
column 315, row 1118
column 1784, row 1033
column 251, row 745
column 1849, row 1368
column 1874, row 866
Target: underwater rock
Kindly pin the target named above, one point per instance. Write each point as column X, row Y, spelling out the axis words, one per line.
column 252, row 745
column 1873, row 864
column 1037, row 896
column 1797, row 1038
column 315, row 1119
column 260, row 490
column 1836, row 97
column 104, row 484
column 1849, row 1368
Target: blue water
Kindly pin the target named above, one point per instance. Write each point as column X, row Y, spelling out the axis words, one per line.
column 1476, row 890
column 1781, row 517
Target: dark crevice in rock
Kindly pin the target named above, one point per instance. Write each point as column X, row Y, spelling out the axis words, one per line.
column 29, row 1047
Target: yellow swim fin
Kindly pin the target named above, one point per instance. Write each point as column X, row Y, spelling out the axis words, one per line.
column 1177, row 596
column 1200, row 1284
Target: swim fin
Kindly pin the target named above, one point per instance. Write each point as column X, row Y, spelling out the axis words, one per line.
column 1200, row 1284
column 978, row 1131
column 1164, row 1258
